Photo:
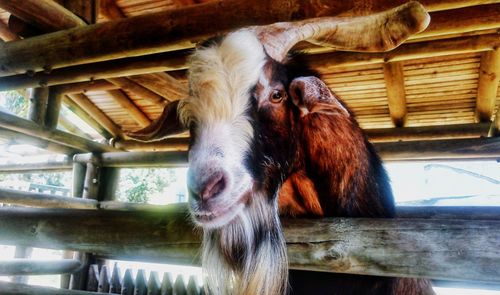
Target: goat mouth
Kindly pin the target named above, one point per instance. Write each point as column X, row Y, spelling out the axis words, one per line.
column 221, row 216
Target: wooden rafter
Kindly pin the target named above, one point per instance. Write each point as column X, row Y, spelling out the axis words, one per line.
column 138, row 89
column 6, row 34
column 489, row 76
column 126, row 103
column 163, row 84
column 167, row 31
column 82, row 114
column 110, row 10
column 82, row 87
column 395, row 87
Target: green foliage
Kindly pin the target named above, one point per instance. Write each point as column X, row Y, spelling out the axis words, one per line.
column 137, row 185
column 14, row 102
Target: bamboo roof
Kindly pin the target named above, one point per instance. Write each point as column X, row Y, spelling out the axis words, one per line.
column 438, row 78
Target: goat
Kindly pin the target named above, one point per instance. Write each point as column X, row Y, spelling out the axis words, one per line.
column 252, row 114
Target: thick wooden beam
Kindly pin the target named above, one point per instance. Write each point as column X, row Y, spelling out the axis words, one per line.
column 135, row 159
column 37, row 267
column 38, row 105
column 82, row 87
column 6, row 34
column 405, row 52
column 489, row 76
column 46, row 15
column 126, row 103
column 166, row 145
column 428, row 132
column 163, row 84
column 77, row 110
column 20, row 289
column 101, row 70
column 397, row 247
column 139, row 90
column 110, row 10
column 16, row 137
column 92, row 110
column 8, row 196
column 395, row 87
column 18, row 124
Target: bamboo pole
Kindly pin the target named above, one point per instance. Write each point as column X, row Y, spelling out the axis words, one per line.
column 52, row 165
column 29, row 128
column 329, row 244
column 92, row 110
column 489, row 77
column 395, row 86
column 38, row 105
column 22, row 266
column 8, row 196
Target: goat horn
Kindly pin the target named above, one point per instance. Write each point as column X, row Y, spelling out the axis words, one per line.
column 166, row 124
column 374, row 33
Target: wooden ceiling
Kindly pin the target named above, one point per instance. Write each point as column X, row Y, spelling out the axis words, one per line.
column 445, row 78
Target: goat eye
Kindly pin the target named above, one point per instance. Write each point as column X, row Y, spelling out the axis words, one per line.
column 277, row 96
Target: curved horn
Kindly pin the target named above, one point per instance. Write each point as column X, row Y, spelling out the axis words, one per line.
column 166, row 124
column 378, row 32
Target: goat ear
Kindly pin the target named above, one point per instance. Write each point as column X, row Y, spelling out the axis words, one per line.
column 166, row 124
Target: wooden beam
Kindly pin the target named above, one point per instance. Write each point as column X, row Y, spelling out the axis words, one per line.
column 166, row 145
column 163, row 84
column 449, row 212
column 15, row 267
column 126, row 103
column 139, row 90
column 110, row 10
column 395, row 87
column 16, row 137
column 77, row 110
column 82, row 87
column 38, row 105
column 51, row 164
column 489, row 76
column 72, row 128
column 8, row 196
column 84, row 9
column 6, row 34
column 405, row 52
column 54, row 103
column 135, row 159
column 20, row 289
column 92, row 110
column 17, row 124
column 101, row 70
column 427, row 132
column 397, row 247
column 46, row 15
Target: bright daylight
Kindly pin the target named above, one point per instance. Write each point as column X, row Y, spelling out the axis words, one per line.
column 234, row 147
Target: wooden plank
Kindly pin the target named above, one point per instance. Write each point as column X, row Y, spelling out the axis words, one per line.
column 128, row 105
column 9, row 196
column 82, row 87
column 21, row 266
column 489, row 77
column 20, row 289
column 18, row 124
column 395, row 85
column 397, row 247
column 91, row 109
column 46, row 15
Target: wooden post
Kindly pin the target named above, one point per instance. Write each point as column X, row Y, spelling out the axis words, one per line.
column 22, row 252
column 489, row 76
column 53, row 108
column 31, row 199
column 395, row 86
column 93, row 278
column 38, row 105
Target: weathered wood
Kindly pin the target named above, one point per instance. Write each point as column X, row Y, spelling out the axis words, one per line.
column 100, row 70
column 180, row 286
column 128, row 105
column 154, row 286
column 163, row 84
column 167, row 30
column 6, row 34
column 110, row 10
column 85, row 9
column 104, row 280
column 140, row 283
column 20, row 289
column 47, row 15
column 82, row 87
column 128, row 283
column 397, row 247
column 167, row 284
column 52, row 165
column 139, row 90
column 38, row 105
column 406, row 52
column 93, row 278
column 78, row 279
column 489, row 76
column 169, row 144
column 115, row 286
column 92, row 181
column 22, row 266
column 22, row 252
column 449, row 212
column 18, row 124
column 477, row 148
column 79, row 171
column 77, row 110
column 92, row 110
column 66, row 278
column 422, row 133
column 9, row 196
column 395, row 86
column 54, row 102
column 135, row 159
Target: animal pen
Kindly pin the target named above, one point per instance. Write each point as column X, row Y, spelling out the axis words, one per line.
column 116, row 63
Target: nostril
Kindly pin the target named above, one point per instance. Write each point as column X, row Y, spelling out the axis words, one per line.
column 214, row 185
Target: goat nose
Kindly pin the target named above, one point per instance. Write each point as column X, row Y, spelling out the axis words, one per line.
column 211, row 186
